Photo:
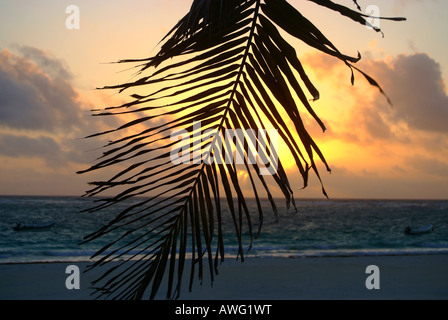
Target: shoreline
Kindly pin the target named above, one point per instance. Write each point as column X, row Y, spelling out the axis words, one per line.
column 303, row 278
column 431, row 252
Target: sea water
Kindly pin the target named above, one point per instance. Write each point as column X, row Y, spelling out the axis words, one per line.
column 319, row 227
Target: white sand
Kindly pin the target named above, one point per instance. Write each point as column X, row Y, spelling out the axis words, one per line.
column 401, row 277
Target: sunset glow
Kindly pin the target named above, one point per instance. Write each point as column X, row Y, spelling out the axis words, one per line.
column 48, row 76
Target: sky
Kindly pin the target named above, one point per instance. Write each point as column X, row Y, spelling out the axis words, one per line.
column 48, row 76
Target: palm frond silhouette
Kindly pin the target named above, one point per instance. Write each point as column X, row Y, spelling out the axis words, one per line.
column 224, row 65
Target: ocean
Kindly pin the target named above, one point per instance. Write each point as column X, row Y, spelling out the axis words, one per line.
column 319, row 227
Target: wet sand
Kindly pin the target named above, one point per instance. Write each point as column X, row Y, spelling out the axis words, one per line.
column 343, row 278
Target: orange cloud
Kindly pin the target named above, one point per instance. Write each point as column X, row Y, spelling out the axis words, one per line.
column 372, row 143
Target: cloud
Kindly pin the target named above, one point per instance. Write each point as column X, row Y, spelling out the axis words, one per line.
column 43, row 119
column 48, row 63
column 33, row 97
column 430, row 166
column 413, row 82
column 417, row 89
column 26, row 147
column 42, row 115
column 40, row 108
column 405, row 145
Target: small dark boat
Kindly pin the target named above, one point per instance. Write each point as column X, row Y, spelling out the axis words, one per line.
column 23, row 227
column 420, row 230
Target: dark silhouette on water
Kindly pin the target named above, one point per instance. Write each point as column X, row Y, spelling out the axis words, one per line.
column 32, row 227
column 419, row 230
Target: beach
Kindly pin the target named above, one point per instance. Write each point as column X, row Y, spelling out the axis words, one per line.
column 402, row 277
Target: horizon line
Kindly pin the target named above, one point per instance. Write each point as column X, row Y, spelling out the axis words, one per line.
column 248, row 198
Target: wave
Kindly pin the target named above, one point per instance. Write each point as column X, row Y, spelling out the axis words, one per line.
column 320, row 228
column 232, row 253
